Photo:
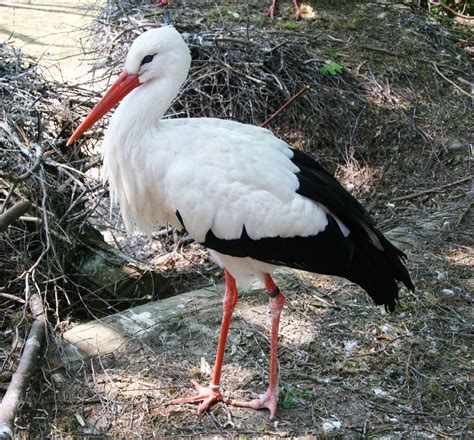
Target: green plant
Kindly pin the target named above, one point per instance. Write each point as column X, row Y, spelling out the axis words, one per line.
column 331, row 68
column 291, row 392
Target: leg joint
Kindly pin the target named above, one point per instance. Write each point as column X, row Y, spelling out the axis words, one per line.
column 274, row 293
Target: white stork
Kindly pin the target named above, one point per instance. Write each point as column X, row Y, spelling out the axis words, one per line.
column 250, row 198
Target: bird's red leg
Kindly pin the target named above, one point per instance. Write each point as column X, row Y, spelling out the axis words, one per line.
column 272, row 10
column 270, row 398
column 298, row 13
column 208, row 395
column 164, row 2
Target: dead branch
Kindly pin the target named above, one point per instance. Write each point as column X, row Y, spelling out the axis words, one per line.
column 24, row 176
column 452, row 82
column 15, row 393
column 12, row 297
column 450, row 10
column 285, row 106
column 431, row 190
column 13, row 213
column 404, row 55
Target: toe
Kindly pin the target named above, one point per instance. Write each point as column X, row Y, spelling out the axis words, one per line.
column 206, row 395
column 265, row 401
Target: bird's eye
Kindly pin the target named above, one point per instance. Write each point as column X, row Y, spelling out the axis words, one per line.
column 147, row 59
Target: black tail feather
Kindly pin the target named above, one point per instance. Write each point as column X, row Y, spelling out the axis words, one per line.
column 376, row 264
column 331, row 253
column 377, row 272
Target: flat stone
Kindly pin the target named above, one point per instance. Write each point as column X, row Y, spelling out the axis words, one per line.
column 155, row 320
column 118, row 331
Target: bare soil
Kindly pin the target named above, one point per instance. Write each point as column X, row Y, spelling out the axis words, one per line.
column 51, row 31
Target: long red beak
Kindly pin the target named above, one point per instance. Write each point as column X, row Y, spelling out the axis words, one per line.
column 125, row 83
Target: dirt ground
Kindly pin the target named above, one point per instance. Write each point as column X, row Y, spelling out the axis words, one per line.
column 348, row 369
column 53, row 32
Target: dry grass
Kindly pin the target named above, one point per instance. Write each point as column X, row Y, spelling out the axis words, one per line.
column 390, row 126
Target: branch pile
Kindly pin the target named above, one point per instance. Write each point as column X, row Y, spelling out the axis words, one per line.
column 49, row 252
column 242, row 73
column 42, row 186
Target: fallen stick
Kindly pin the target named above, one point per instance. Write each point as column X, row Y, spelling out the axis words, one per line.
column 13, row 398
column 13, row 213
column 404, row 55
column 469, row 95
column 285, row 106
column 452, row 11
column 431, row 190
column 12, row 297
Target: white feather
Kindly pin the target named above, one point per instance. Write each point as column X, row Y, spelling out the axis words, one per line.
column 218, row 176
column 244, row 270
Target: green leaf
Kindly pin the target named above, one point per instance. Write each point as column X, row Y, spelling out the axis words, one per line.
column 305, row 394
column 288, row 401
column 292, row 392
column 331, row 68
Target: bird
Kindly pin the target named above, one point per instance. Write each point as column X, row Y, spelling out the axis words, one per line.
column 254, row 201
column 272, row 10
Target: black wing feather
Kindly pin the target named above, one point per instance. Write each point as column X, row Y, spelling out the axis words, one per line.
column 374, row 264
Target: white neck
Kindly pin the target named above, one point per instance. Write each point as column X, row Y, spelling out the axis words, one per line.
column 146, row 105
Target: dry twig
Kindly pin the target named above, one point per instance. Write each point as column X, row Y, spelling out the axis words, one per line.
column 432, row 190
column 285, row 106
column 470, row 95
column 13, row 213
column 450, row 10
column 13, row 398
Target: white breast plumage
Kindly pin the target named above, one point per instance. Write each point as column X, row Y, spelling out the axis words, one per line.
column 237, row 175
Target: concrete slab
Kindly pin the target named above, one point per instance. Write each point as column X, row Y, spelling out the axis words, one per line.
column 119, row 331
column 156, row 321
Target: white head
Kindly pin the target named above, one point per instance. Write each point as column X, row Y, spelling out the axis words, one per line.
column 156, row 55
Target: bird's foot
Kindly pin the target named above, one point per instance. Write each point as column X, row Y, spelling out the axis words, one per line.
column 298, row 15
column 264, row 401
column 271, row 11
column 163, row 2
column 206, row 395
